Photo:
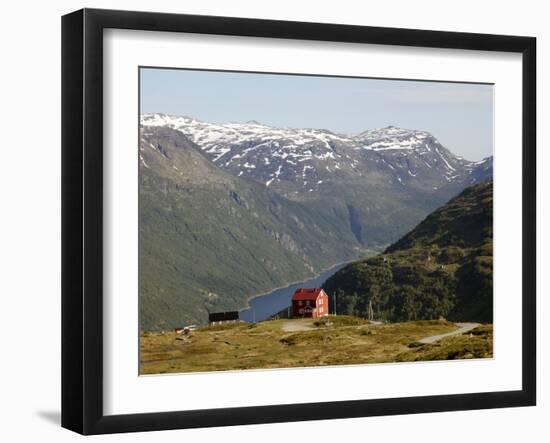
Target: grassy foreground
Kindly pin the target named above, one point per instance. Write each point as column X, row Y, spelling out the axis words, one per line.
column 306, row 342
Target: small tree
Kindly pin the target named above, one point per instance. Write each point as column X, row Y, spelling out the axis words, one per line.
column 351, row 303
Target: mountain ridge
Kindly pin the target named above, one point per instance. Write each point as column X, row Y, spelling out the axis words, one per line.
column 295, row 160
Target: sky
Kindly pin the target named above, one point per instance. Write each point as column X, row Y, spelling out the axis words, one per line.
column 459, row 115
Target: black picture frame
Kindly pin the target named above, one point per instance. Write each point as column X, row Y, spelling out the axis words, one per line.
column 82, row 218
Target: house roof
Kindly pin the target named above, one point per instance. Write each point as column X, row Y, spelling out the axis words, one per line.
column 307, row 293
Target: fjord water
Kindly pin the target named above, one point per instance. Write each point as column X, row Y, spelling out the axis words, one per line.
column 266, row 305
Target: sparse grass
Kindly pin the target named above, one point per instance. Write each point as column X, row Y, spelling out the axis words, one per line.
column 341, row 320
column 331, row 341
column 474, row 344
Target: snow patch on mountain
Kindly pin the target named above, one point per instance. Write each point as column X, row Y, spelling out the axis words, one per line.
column 306, row 157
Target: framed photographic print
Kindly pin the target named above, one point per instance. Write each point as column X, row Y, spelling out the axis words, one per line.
column 269, row 221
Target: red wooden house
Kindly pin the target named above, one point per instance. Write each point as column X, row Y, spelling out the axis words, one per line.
column 310, row 302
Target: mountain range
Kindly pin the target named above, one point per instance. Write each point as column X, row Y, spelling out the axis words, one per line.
column 232, row 210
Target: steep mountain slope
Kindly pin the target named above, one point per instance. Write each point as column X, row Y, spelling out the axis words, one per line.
column 207, row 239
column 381, row 182
column 443, row 267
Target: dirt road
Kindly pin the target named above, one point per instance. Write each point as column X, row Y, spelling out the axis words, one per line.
column 462, row 328
column 306, row 325
column 297, row 325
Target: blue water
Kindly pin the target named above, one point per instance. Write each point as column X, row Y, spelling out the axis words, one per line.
column 264, row 306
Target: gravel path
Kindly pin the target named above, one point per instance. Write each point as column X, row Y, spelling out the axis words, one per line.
column 462, row 328
column 300, row 325
column 295, row 326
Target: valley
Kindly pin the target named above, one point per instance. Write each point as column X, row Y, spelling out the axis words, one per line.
column 229, row 211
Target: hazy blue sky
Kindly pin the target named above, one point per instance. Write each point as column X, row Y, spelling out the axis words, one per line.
column 459, row 115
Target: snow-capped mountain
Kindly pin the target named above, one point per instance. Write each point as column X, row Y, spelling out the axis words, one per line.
column 301, row 161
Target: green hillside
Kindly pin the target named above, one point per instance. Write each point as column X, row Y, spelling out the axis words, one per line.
column 207, row 239
column 443, row 267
